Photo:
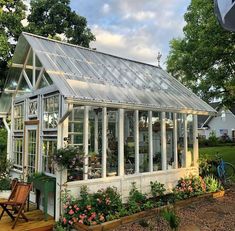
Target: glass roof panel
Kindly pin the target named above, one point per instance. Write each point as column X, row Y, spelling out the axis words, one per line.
column 86, row 74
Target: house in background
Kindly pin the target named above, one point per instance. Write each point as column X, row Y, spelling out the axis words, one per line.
column 138, row 121
column 222, row 125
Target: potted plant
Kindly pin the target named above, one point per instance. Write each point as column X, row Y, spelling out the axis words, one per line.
column 72, row 159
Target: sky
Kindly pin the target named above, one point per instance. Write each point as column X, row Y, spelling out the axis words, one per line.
column 134, row 29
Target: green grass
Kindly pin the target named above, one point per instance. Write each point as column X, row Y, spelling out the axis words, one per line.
column 227, row 153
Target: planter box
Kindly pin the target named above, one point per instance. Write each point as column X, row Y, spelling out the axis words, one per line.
column 218, row 194
column 110, row 225
column 82, row 227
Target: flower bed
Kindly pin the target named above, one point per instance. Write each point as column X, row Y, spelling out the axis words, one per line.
column 104, row 209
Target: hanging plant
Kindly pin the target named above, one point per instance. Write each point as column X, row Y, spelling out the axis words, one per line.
column 69, row 158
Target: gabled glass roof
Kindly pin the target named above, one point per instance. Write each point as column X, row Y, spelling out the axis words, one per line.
column 85, row 75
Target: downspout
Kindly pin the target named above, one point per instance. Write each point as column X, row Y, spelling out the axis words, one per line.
column 8, row 137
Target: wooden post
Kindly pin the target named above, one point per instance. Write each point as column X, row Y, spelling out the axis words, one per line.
column 85, row 142
column 175, row 143
column 96, row 134
column 150, row 138
column 104, row 142
column 195, row 141
column 136, row 131
column 163, row 140
column 120, row 142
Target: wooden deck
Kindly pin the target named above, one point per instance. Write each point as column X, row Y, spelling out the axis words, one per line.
column 36, row 222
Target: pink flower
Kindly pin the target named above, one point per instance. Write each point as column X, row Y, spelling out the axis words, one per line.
column 64, row 220
column 71, row 212
column 101, row 218
column 80, row 221
column 70, row 222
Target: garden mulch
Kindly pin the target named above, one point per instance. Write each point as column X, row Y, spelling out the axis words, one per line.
column 204, row 214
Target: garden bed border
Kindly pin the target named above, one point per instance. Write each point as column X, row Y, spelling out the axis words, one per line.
column 110, row 225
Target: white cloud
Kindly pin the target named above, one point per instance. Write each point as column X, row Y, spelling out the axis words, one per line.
column 136, row 46
column 106, row 8
column 140, row 16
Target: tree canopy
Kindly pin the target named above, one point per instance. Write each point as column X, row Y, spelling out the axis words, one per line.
column 204, row 59
column 49, row 18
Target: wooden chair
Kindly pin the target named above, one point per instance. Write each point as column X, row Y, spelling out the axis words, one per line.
column 12, row 194
column 17, row 200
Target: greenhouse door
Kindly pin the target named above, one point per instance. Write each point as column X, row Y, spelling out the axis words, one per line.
column 31, row 150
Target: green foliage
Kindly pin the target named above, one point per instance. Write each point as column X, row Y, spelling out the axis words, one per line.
column 108, row 202
column 5, row 165
column 49, row 18
column 91, row 208
column 69, row 157
column 227, row 153
column 203, row 59
column 189, row 186
column 136, row 200
column 59, row 227
column 213, row 140
column 212, row 184
column 53, row 17
column 204, row 165
column 157, row 189
column 172, row 218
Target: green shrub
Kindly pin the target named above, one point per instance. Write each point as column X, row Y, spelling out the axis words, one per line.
column 136, row 200
column 212, row 184
column 157, row 189
column 171, row 217
column 204, row 165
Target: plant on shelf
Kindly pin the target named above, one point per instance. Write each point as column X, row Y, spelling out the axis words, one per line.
column 69, row 158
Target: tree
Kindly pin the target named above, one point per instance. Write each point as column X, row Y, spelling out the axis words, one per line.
column 12, row 12
column 204, row 59
column 49, row 18
column 55, row 17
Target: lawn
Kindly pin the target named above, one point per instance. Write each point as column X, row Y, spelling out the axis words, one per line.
column 227, row 152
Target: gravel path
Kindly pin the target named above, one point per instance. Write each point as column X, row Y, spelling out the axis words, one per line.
column 205, row 214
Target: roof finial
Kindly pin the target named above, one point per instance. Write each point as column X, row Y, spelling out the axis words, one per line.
column 159, row 55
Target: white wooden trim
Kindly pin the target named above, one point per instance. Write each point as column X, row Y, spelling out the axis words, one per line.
column 163, row 141
column 96, row 133
column 195, row 141
column 150, row 138
column 185, row 140
column 27, row 79
column 120, row 142
column 39, row 78
column 136, row 131
column 175, row 138
column 85, row 141
column 104, row 142
column 34, row 69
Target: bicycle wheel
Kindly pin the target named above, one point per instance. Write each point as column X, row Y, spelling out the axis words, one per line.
column 229, row 171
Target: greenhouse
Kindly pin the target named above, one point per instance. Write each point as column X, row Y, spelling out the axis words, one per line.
column 132, row 121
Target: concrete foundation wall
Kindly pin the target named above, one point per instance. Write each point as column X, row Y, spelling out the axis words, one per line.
column 169, row 178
